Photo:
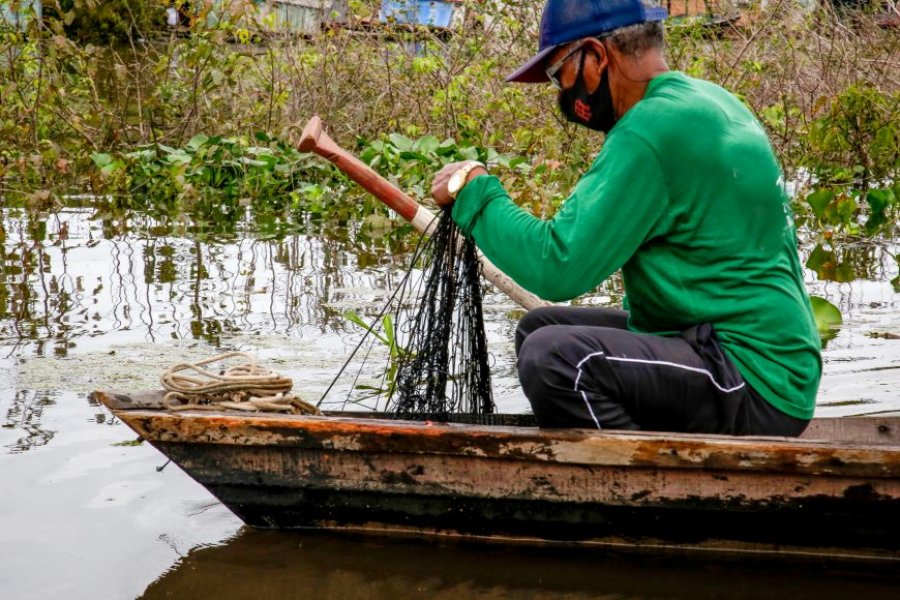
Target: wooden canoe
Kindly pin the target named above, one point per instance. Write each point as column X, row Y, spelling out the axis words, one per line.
column 833, row 494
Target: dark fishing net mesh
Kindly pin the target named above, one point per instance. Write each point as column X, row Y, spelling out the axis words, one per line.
column 444, row 367
column 438, row 364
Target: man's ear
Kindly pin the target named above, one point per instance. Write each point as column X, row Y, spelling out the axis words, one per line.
column 596, row 58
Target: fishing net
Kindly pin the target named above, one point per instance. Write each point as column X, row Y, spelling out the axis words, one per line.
column 438, row 359
column 444, row 367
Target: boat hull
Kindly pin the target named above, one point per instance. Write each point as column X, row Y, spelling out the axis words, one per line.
column 835, row 499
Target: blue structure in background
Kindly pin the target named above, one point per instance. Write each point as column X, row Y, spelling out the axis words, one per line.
column 437, row 13
column 17, row 15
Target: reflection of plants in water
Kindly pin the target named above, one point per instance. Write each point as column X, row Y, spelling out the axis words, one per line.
column 33, row 299
column 25, row 414
column 847, row 209
column 146, row 278
column 849, row 262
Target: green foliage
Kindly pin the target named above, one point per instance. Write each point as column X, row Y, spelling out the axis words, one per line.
column 828, row 317
column 387, row 337
column 105, row 21
column 230, row 171
column 854, row 161
column 840, row 208
column 414, row 162
column 219, row 180
column 856, row 139
column 222, row 178
column 126, row 443
column 124, row 119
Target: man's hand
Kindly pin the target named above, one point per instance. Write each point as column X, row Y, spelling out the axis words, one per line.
column 439, row 190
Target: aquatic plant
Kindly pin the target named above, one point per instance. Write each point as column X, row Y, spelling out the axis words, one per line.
column 824, row 84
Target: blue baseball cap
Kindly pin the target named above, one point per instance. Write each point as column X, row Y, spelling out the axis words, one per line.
column 565, row 21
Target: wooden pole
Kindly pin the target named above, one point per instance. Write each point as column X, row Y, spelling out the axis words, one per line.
column 314, row 139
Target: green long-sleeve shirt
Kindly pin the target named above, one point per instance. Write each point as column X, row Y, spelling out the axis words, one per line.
column 687, row 198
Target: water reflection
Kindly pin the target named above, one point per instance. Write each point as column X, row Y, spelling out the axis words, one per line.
column 257, row 564
column 23, row 414
column 851, row 261
column 111, row 298
column 88, row 279
column 69, row 277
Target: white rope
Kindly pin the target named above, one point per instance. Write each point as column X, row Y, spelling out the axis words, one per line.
column 245, row 386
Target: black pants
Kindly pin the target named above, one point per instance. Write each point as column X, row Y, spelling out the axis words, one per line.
column 581, row 367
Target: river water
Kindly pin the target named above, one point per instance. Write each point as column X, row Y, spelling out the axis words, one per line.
column 89, row 301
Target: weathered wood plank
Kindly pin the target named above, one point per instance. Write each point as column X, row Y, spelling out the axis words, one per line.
column 859, row 430
column 289, row 487
column 627, row 449
column 477, row 477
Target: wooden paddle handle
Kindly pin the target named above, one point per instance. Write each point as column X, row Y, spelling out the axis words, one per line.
column 314, row 139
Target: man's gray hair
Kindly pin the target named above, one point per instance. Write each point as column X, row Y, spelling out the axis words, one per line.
column 634, row 40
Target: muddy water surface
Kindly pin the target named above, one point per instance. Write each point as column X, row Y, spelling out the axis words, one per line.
column 89, row 302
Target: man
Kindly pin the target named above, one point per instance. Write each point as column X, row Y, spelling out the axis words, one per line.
column 687, row 198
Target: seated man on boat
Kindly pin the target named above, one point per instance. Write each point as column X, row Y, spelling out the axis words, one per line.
column 687, row 198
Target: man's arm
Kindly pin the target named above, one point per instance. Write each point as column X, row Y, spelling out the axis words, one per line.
column 609, row 214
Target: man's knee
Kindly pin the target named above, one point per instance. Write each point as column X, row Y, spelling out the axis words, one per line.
column 538, row 363
column 549, row 370
column 534, row 360
column 531, row 322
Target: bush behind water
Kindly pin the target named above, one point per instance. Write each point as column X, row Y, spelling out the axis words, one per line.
column 824, row 85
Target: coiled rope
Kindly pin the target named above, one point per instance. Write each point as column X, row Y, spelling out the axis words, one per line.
column 246, row 386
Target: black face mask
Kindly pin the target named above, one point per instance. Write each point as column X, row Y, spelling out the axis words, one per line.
column 594, row 111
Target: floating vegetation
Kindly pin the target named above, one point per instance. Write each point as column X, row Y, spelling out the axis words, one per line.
column 884, row 335
column 129, row 443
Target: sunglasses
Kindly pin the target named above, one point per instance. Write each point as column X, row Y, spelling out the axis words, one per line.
column 553, row 69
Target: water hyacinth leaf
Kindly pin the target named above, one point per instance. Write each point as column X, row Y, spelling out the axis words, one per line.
column 179, row 157
column 819, row 201
column 417, row 156
column 846, row 209
column 447, row 147
column 828, row 267
column 828, row 316
column 401, row 142
column 427, row 144
column 518, row 161
column 101, row 159
column 197, row 141
column 469, row 153
column 255, row 163
column 879, row 202
column 370, row 155
column 818, row 258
